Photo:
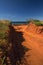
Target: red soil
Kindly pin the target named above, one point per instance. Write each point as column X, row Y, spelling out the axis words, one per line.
column 33, row 36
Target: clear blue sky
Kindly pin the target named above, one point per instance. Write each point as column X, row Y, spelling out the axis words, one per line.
column 21, row 9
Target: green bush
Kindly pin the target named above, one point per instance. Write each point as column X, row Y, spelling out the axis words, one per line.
column 38, row 22
column 3, row 32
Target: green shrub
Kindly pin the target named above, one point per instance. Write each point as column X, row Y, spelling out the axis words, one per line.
column 3, row 32
column 38, row 22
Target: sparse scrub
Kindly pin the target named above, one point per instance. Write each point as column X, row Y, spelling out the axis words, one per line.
column 3, row 38
column 3, row 32
column 36, row 22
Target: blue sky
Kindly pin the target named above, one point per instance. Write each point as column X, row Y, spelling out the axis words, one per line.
column 21, row 9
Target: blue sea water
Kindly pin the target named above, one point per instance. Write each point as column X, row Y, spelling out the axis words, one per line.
column 19, row 23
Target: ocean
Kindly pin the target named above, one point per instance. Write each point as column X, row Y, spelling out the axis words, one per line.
column 19, row 23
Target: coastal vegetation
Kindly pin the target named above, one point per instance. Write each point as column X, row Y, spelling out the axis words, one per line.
column 36, row 22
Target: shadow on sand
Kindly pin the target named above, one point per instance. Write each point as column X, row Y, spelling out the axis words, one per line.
column 17, row 51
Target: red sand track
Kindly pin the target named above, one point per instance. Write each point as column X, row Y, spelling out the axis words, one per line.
column 34, row 41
